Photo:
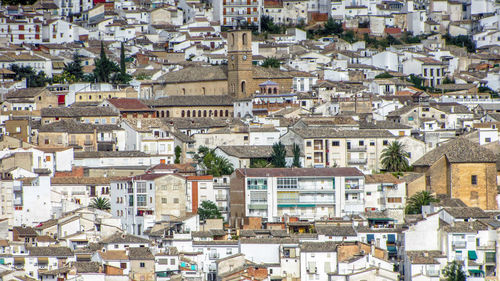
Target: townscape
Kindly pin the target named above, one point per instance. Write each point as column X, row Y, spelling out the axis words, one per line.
column 155, row 140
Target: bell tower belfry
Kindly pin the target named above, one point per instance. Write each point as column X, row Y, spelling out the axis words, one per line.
column 239, row 64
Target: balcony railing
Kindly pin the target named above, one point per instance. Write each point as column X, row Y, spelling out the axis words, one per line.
column 490, row 245
column 357, row 148
column 459, row 244
column 356, row 161
column 221, row 197
column 432, row 272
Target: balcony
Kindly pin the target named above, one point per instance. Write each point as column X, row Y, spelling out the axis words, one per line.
column 490, row 245
column 353, row 189
column 18, row 201
column 257, row 206
column 459, row 244
column 356, row 161
column 433, row 272
column 223, row 209
column 357, row 148
column 221, row 198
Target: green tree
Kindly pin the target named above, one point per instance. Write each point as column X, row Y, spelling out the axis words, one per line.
column 278, row 155
column 259, row 163
column 177, row 151
column 349, row 36
column 453, row 272
column 271, row 62
column 395, row 158
column 123, row 77
column 33, row 79
column 267, row 25
column 214, row 165
column 414, row 203
column 384, row 75
column 208, row 210
column 73, row 71
column 461, row 41
column 296, row 155
column 416, row 81
column 332, row 27
column 104, row 68
column 100, row 203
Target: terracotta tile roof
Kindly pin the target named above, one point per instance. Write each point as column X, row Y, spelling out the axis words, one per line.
column 459, row 150
column 25, row 231
column 83, row 111
column 136, row 253
column 50, row 251
column 125, row 104
column 382, row 178
column 114, row 255
column 119, row 238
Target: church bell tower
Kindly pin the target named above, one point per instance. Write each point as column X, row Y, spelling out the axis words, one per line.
column 239, row 63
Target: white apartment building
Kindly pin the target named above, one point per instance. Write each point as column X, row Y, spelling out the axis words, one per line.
column 229, row 12
column 310, row 194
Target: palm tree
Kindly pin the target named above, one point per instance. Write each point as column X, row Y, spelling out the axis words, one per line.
column 100, row 203
column 395, row 158
column 414, row 204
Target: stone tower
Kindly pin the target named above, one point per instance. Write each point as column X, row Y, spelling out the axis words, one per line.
column 239, row 64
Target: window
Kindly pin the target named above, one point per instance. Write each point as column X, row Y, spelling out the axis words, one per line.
column 142, row 264
column 473, row 179
column 141, row 200
column 385, row 142
column 487, row 139
column 394, row 200
column 308, row 143
column 176, row 200
column 335, row 143
column 245, row 138
column 361, row 143
column 123, row 265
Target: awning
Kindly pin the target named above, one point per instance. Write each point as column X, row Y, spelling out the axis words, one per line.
column 370, row 237
column 43, row 260
column 391, row 238
column 472, row 255
column 476, row 271
column 392, row 249
column 19, row 260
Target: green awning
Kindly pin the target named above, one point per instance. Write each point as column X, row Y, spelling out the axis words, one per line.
column 392, row 249
column 472, row 255
column 476, row 271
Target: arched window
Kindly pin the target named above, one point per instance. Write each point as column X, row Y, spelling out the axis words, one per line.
column 183, row 91
column 188, row 113
column 269, row 91
column 275, row 90
column 215, row 113
column 243, row 87
column 168, row 113
column 221, row 113
column 182, row 113
column 199, row 113
column 194, row 113
column 232, row 39
column 204, row 113
column 162, row 114
column 244, row 39
column 227, row 113
column 210, row 113
column 204, row 90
